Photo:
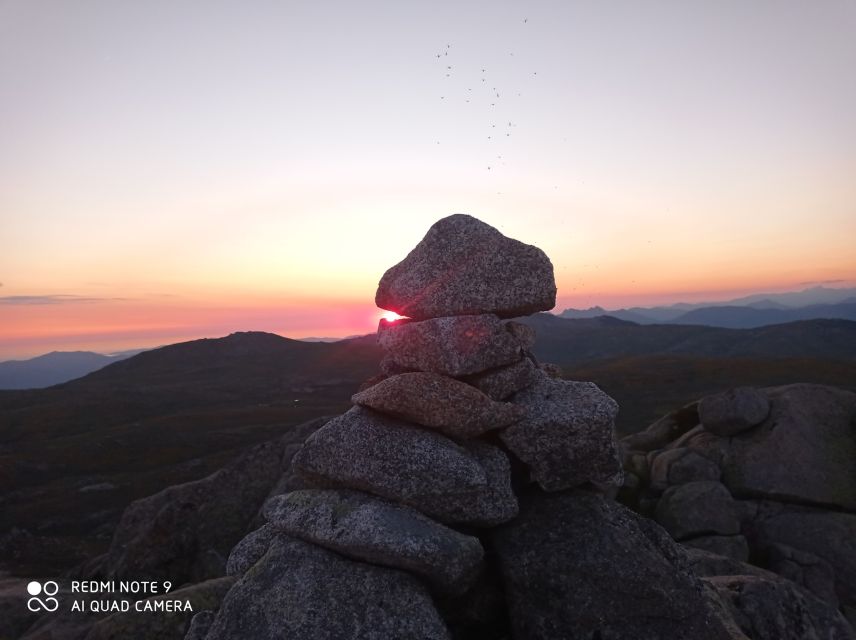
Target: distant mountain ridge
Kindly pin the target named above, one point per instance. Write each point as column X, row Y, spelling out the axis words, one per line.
column 750, row 317
column 741, row 313
column 570, row 342
column 52, row 368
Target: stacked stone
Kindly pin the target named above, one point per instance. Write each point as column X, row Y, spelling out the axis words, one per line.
column 403, row 487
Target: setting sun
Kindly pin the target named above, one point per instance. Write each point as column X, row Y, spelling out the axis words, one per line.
column 391, row 316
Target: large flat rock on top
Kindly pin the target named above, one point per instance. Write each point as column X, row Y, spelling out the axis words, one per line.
column 302, row 592
column 448, row 405
column 369, row 529
column 463, row 266
column 452, row 346
column 566, row 434
column 367, row 451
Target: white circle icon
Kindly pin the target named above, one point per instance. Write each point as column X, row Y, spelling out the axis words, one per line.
column 34, row 588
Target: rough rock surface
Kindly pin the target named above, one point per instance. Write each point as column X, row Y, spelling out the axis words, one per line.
column 303, row 592
column 451, row 346
column 578, row 566
column 199, row 625
column 502, row 382
column 810, row 427
column 773, row 608
column 492, row 505
column 733, row 411
column 698, row 508
column 463, row 266
column 367, row 451
column 448, row 405
column 249, row 550
column 566, row 435
column 366, row 528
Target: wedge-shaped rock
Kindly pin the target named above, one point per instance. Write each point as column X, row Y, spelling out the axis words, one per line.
column 448, row 405
column 566, row 433
column 363, row 527
column 502, row 382
column 452, row 346
column 249, row 550
column 463, row 266
column 300, row 591
column 367, row 451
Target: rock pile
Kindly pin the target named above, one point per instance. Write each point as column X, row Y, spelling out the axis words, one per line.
column 389, row 540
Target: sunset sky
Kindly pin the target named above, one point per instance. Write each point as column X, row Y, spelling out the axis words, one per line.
column 180, row 169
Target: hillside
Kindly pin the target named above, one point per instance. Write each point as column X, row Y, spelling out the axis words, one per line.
column 570, row 342
column 74, row 455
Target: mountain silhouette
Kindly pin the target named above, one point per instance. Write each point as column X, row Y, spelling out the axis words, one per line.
column 51, row 368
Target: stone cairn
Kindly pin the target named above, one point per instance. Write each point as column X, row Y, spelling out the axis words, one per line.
column 389, row 537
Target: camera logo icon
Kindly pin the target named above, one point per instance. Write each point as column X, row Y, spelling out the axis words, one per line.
column 48, row 590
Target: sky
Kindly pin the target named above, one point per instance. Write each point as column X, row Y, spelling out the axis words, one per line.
column 180, row 169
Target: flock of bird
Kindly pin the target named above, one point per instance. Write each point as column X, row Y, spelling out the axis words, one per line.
column 496, row 128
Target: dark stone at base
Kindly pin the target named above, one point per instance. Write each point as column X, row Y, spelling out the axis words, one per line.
column 578, row 566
